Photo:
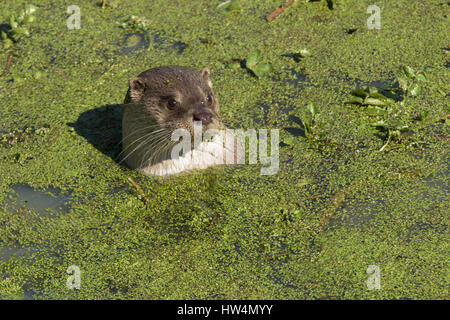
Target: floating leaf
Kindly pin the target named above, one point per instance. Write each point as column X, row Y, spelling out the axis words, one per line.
column 230, row 6
column 234, row 6
column 305, row 52
column 288, row 140
column 29, row 19
column 299, row 55
column 402, row 83
column 414, row 90
column 21, row 16
column 373, row 110
column 253, row 59
column 312, row 108
column 29, row 9
column 223, row 4
column 20, row 30
column 307, row 126
column 13, row 23
column 261, row 69
column 400, row 126
column 355, row 100
column 374, row 102
column 421, row 77
column 408, row 71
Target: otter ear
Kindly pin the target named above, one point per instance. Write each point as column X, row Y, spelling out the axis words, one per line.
column 137, row 87
column 205, row 75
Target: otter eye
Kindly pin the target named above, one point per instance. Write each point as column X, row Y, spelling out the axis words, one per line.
column 209, row 98
column 172, row 103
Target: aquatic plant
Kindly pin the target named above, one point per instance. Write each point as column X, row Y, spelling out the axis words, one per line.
column 18, row 26
column 409, row 83
column 258, row 69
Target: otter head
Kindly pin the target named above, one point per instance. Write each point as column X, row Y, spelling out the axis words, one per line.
column 175, row 97
column 160, row 101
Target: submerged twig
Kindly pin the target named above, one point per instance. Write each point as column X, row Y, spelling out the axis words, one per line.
column 8, row 64
column 279, row 10
column 385, row 145
column 139, row 189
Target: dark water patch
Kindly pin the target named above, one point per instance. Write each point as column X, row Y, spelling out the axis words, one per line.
column 297, row 79
column 102, row 127
column 42, row 202
column 161, row 42
column 135, row 41
column 357, row 214
column 386, row 82
column 6, row 252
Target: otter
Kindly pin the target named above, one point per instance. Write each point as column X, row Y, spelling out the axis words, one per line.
column 160, row 101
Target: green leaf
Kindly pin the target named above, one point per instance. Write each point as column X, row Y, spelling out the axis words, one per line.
column 3, row 35
column 421, row 77
column 402, row 83
column 289, row 140
column 312, row 108
column 408, row 71
column 234, row 6
column 374, row 102
column 379, row 96
column 29, row 9
column 253, row 58
column 394, row 133
column 355, row 100
column 21, row 16
column 261, row 69
column 29, row 19
column 305, row 52
column 234, row 65
column 223, row 4
column 400, row 126
column 230, row 6
column 308, row 130
column 13, row 23
column 414, row 90
column 20, row 31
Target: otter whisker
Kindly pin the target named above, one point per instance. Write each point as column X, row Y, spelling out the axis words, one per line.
column 144, row 136
column 148, row 137
column 138, row 130
column 158, row 146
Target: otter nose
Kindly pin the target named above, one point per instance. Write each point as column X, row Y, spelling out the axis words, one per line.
column 204, row 117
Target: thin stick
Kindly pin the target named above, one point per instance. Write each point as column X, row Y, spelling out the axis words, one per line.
column 388, row 140
column 139, row 189
column 279, row 10
column 8, row 64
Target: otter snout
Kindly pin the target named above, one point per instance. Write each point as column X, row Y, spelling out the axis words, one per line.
column 204, row 116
